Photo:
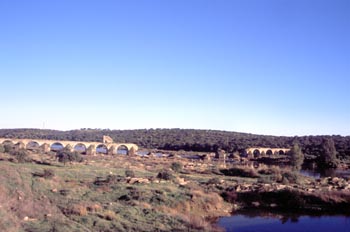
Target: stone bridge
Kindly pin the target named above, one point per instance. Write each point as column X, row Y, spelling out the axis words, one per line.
column 89, row 148
column 259, row 151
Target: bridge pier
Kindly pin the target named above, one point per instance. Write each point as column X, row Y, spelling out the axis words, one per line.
column 19, row 146
column 265, row 152
column 111, row 150
column 91, row 150
column 68, row 147
column 46, row 147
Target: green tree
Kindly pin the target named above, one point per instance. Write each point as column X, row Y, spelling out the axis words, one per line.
column 328, row 157
column 296, row 157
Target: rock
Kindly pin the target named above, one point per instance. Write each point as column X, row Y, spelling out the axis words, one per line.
column 54, row 190
column 280, row 186
column 238, row 188
column 26, row 218
column 335, row 180
column 181, row 181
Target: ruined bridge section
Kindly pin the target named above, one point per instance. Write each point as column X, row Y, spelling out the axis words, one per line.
column 259, row 151
column 89, row 148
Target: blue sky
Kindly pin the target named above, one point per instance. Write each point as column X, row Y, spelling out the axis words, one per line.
column 279, row 67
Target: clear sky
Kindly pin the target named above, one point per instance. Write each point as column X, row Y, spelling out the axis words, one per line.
column 279, row 67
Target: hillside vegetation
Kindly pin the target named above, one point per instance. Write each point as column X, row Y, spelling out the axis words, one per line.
column 190, row 139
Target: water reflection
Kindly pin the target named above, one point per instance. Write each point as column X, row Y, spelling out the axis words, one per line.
column 310, row 170
column 330, row 172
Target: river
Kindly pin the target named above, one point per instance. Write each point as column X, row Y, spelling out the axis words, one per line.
column 249, row 222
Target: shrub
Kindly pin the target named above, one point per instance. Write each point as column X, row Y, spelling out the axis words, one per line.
column 196, row 222
column 243, row 172
column 65, row 156
column 109, row 215
column 110, row 180
column 229, row 196
column 129, row 173
column 8, row 148
column 75, row 209
column 21, row 155
column 176, row 166
column 47, row 174
column 64, row 192
column 270, row 171
column 290, row 178
column 214, row 180
column 270, row 175
column 165, row 175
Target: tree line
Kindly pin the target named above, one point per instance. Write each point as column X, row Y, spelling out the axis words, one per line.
column 190, row 139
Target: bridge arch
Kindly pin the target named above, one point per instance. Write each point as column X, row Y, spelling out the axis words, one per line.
column 256, row 153
column 32, row 145
column 20, row 145
column 102, row 149
column 80, row 147
column 8, row 142
column 261, row 151
column 56, row 146
column 122, row 150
